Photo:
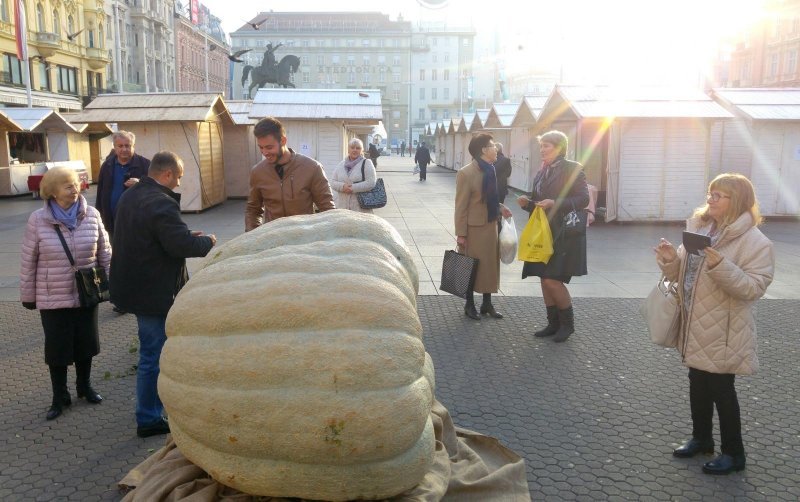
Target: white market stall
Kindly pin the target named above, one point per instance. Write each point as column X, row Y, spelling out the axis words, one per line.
column 647, row 149
column 763, row 143
column 523, row 148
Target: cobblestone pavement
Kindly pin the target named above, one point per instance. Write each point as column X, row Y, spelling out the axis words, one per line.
column 595, row 418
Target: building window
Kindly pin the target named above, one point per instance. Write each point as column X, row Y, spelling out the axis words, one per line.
column 91, row 38
column 12, row 70
column 100, row 38
column 351, row 59
column 366, row 60
column 397, row 42
column 40, row 17
column 335, row 59
column 70, row 25
column 396, row 78
column 306, row 77
column 422, row 113
column 382, row 59
column 434, row 42
column 321, row 59
column 396, row 60
column 381, row 42
column 446, row 93
column 433, row 113
column 68, row 81
column 305, row 43
column 382, row 77
column 351, row 43
column 434, row 74
column 434, row 58
column 446, row 114
column 422, row 93
column 56, row 24
column 365, row 78
column 365, row 42
column 791, row 62
column 446, row 75
column 3, row 10
column 433, row 93
column 351, row 78
column 396, row 94
column 44, row 77
column 773, row 65
column 446, row 57
column 421, row 75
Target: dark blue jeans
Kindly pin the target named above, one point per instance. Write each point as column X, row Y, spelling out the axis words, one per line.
column 152, row 335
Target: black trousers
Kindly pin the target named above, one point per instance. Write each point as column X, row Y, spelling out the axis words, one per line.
column 707, row 390
column 423, row 171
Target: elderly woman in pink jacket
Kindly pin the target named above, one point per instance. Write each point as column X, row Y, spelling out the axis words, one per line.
column 717, row 289
column 47, row 282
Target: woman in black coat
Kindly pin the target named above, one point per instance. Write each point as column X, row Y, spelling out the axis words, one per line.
column 558, row 188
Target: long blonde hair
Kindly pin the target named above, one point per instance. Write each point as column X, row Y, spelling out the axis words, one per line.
column 743, row 199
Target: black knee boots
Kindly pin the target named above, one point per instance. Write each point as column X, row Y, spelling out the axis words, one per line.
column 83, row 371
column 469, row 308
column 566, row 325
column 552, row 323
column 61, row 397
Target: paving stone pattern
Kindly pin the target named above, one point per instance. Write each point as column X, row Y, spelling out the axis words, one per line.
column 595, row 418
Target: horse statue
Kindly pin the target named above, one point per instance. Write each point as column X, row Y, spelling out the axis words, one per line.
column 279, row 74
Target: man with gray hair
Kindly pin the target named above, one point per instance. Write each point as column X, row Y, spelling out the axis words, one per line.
column 121, row 170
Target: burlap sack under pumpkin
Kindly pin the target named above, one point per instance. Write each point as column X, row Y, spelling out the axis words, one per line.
column 467, row 467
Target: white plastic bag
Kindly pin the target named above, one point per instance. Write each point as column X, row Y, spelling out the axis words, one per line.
column 508, row 240
column 416, row 169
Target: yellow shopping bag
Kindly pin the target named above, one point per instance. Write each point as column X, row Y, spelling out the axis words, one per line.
column 536, row 241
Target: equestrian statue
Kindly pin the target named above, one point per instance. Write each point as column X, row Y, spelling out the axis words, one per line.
column 269, row 72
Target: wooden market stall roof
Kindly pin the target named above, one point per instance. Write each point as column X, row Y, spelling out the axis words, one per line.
column 39, row 120
column 155, row 107
column 240, row 112
column 529, row 111
column 7, row 123
column 762, row 103
column 351, row 105
column 501, row 115
column 580, row 102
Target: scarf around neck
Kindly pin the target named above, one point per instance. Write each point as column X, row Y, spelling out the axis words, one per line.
column 489, row 189
column 69, row 217
column 350, row 164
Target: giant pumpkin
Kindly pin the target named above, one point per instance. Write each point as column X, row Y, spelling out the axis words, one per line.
column 294, row 365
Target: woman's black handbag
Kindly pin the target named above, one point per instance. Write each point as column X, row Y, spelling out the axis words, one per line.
column 92, row 282
column 374, row 198
column 458, row 273
column 575, row 222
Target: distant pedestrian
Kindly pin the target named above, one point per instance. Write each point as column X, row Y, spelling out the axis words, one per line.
column 477, row 215
column 423, row 158
column 503, row 169
column 149, row 269
column 716, row 290
column 347, row 179
column 403, row 148
column 285, row 183
column 374, row 152
column 47, row 282
column 558, row 188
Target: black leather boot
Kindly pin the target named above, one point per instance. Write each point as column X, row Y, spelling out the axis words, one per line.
column 61, row 397
column 469, row 308
column 488, row 309
column 694, row 446
column 552, row 323
column 566, row 325
column 725, row 464
column 83, row 369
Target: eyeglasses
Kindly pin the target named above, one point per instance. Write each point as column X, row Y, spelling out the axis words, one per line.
column 716, row 196
column 490, row 146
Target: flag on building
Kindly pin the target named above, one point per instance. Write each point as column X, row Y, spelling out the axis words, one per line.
column 194, row 11
column 21, row 30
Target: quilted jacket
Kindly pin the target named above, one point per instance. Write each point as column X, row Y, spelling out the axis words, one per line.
column 46, row 276
column 718, row 332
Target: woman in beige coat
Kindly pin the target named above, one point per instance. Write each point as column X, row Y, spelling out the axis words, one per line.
column 717, row 289
column 477, row 219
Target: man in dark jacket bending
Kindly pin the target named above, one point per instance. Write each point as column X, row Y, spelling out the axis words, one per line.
column 148, row 268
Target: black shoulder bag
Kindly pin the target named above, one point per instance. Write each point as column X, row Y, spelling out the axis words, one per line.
column 92, row 282
column 374, row 198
